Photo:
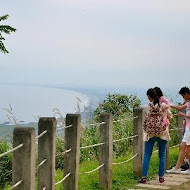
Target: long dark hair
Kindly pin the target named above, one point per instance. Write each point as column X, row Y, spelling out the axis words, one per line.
column 158, row 91
column 152, row 93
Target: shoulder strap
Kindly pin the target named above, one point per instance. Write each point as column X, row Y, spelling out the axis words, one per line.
column 153, row 110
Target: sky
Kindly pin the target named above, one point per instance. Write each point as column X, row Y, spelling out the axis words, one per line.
column 90, row 43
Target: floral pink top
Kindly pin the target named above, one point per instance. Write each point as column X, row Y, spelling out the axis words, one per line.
column 188, row 113
column 163, row 99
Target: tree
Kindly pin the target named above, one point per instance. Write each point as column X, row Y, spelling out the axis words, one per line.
column 4, row 29
column 117, row 105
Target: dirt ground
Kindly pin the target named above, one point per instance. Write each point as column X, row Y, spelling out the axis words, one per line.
column 184, row 186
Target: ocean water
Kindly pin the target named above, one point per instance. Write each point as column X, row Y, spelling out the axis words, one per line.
column 28, row 102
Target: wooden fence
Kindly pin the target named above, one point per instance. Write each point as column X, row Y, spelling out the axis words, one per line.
column 24, row 153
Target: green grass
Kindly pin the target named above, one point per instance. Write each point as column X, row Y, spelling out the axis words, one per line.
column 122, row 174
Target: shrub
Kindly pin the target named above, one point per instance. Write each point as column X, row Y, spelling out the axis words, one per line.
column 5, row 164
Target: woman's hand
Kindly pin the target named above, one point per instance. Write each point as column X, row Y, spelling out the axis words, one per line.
column 181, row 114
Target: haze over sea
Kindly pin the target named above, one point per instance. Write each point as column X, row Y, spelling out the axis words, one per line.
column 29, row 101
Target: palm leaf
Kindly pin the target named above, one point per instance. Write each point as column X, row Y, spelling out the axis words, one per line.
column 7, row 29
column 2, row 48
column 4, row 17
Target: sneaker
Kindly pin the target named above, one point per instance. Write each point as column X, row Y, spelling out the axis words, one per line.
column 185, row 166
column 186, row 172
column 174, row 171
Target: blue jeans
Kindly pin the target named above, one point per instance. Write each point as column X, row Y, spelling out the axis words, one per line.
column 148, row 153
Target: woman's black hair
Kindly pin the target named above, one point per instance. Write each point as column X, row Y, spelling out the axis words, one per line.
column 152, row 93
column 158, row 91
column 184, row 90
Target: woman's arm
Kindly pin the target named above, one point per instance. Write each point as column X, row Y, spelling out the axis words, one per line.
column 180, row 108
column 184, row 115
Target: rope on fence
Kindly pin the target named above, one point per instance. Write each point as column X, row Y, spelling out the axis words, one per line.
column 12, row 150
column 169, row 147
column 120, row 120
column 174, row 146
column 175, row 129
column 125, row 138
column 118, row 163
column 93, row 169
column 63, row 179
column 127, row 119
column 67, row 126
column 41, row 134
column 94, row 124
column 64, row 127
column 63, row 153
column 67, row 151
column 16, row 184
column 94, row 145
column 41, row 163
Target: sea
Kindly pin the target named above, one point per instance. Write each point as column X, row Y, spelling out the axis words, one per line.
column 26, row 103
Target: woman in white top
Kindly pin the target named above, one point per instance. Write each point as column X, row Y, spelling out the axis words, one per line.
column 185, row 93
column 154, row 131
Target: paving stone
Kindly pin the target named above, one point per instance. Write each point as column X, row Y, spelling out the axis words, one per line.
column 166, row 183
column 135, row 189
column 179, row 175
column 176, row 178
column 171, row 180
column 153, row 186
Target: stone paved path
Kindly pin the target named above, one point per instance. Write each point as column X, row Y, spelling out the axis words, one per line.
column 171, row 180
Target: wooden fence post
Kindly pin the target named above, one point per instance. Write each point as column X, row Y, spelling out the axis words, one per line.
column 138, row 144
column 24, row 158
column 46, row 153
column 71, row 159
column 106, row 151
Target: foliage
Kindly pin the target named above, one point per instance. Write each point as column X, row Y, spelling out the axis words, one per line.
column 174, row 130
column 4, row 29
column 5, row 164
column 121, row 130
column 117, row 104
column 89, row 136
column 59, row 153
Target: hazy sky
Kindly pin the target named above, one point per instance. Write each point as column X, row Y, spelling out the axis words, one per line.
column 138, row 43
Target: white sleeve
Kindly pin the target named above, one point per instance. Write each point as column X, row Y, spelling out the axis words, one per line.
column 145, row 110
column 165, row 108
